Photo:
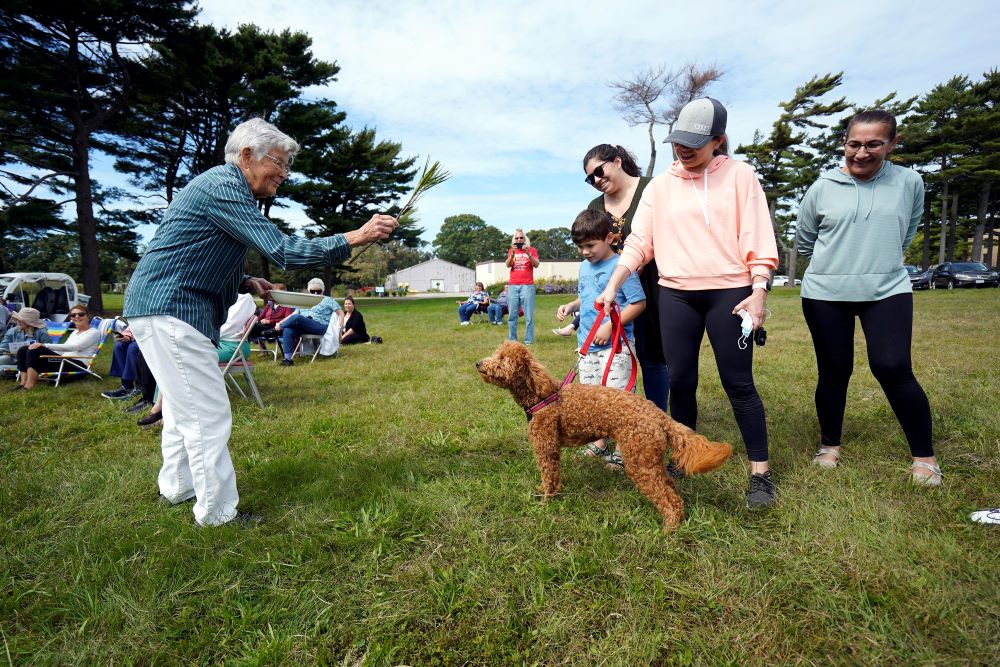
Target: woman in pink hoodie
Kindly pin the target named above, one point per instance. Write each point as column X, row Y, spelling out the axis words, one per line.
column 706, row 223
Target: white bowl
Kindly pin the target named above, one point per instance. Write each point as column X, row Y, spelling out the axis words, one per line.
column 295, row 299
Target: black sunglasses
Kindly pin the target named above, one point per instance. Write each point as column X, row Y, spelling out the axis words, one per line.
column 315, row 291
column 78, row 314
column 597, row 173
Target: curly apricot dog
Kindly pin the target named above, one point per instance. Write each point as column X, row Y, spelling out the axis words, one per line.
column 583, row 413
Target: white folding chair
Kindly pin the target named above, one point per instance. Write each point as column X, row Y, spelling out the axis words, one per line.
column 314, row 340
column 238, row 363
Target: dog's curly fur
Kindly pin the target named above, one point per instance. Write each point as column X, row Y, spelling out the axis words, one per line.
column 585, row 413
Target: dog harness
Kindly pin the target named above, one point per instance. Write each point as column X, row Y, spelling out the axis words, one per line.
column 617, row 336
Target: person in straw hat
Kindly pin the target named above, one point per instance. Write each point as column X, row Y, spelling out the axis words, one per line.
column 28, row 328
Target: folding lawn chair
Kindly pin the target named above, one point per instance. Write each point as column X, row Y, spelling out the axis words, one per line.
column 238, row 363
column 73, row 365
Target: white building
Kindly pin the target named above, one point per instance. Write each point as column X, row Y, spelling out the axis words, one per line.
column 434, row 274
column 494, row 271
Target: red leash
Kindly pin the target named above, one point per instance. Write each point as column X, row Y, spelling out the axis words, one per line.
column 618, row 338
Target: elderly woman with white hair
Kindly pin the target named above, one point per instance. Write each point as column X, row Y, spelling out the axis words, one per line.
column 313, row 321
column 182, row 288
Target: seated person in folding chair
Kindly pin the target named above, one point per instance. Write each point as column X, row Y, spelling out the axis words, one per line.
column 28, row 326
column 497, row 307
column 477, row 302
column 232, row 330
column 270, row 315
column 313, row 321
column 354, row 325
column 123, row 365
column 83, row 341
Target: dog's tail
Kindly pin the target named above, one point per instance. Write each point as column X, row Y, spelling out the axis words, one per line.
column 694, row 453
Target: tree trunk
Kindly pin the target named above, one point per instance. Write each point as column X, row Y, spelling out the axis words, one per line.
column 792, row 259
column 927, row 233
column 944, row 223
column 991, row 230
column 265, row 267
column 977, row 236
column 328, row 279
column 90, row 263
column 950, row 255
column 652, row 151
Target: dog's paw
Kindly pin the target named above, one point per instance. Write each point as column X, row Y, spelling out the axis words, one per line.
column 543, row 497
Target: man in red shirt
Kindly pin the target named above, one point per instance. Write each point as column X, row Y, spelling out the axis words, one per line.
column 521, row 260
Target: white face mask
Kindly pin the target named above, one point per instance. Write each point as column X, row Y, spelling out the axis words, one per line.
column 746, row 328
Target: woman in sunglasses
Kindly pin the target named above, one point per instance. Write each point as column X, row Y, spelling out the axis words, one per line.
column 82, row 341
column 706, row 222
column 612, row 170
column 313, row 321
column 856, row 222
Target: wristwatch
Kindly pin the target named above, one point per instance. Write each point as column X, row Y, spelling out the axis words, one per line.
column 761, row 285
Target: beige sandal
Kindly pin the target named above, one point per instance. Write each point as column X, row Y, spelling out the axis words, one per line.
column 934, row 479
column 826, row 451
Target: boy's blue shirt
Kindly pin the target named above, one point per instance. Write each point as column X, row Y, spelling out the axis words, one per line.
column 593, row 279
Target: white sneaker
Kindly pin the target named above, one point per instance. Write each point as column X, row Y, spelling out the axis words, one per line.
column 464, row 324
column 986, row 516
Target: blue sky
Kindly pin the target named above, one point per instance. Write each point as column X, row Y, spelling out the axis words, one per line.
column 509, row 96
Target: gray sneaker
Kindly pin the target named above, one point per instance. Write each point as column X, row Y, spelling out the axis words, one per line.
column 763, row 491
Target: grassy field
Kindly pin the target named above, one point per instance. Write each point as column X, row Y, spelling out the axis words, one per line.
column 400, row 527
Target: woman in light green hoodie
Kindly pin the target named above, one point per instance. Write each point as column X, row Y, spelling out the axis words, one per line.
column 856, row 222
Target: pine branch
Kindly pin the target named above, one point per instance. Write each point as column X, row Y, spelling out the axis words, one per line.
column 432, row 175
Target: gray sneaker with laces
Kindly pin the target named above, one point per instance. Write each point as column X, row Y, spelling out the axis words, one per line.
column 763, row 491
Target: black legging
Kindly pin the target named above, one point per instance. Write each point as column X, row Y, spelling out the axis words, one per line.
column 888, row 327
column 28, row 358
column 685, row 315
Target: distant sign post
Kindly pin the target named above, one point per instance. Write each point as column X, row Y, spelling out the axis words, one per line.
column 380, row 290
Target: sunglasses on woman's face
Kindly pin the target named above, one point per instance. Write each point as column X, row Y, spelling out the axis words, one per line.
column 597, row 173
column 315, row 291
column 75, row 315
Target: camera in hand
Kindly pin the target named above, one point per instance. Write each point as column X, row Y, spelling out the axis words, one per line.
column 760, row 337
column 519, row 245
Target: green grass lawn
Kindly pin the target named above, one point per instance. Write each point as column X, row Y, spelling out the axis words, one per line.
column 400, row 527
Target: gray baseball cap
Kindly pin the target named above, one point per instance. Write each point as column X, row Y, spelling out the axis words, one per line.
column 698, row 121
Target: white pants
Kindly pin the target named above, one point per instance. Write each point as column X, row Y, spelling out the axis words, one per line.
column 197, row 420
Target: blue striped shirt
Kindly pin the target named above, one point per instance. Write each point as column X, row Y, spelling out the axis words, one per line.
column 193, row 267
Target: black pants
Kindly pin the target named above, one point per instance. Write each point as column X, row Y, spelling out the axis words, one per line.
column 259, row 330
column 144, row 378
column 354, row 338
column 685, row 316
column 888, row 327
column 27, row 358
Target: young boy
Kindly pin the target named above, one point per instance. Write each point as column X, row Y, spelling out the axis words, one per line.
column 593, row 236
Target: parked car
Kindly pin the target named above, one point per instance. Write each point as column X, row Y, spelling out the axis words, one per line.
column 963, row 274
column 919, row 279
column 782, row 281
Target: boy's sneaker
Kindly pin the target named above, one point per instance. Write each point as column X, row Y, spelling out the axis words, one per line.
column 763, row 491
column 464, row 324
column 287, row 362
column 120, row 394
column 615, row 463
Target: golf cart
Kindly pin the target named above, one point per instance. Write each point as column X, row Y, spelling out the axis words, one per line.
column 53, row 294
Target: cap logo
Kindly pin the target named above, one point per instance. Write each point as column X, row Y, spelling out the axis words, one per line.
column 701, row 127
